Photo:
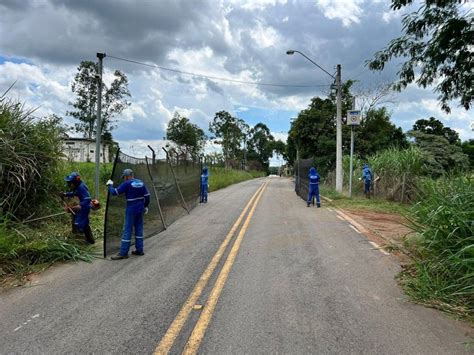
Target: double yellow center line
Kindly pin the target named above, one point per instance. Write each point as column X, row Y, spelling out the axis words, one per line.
column 199, row 330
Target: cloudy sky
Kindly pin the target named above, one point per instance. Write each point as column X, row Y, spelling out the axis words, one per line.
column 43, row 41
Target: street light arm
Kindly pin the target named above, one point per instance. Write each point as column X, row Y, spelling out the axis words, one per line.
column 291, row 52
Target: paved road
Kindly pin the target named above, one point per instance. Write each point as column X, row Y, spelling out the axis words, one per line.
column 298, row 280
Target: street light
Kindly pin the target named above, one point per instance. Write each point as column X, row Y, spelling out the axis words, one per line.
column 337, row 78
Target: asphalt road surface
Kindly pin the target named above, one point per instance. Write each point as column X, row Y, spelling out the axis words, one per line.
column 254, row 271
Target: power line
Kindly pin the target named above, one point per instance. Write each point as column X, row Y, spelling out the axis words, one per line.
column 214, row 77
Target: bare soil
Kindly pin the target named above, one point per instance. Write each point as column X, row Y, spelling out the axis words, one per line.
column 393, row 228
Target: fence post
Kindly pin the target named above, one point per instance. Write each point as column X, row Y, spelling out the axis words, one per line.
column 176, row 180
column 403, row 187
column 156, row 194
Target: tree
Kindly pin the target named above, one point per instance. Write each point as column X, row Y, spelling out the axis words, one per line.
column 187, row 136
column 377, row 133
column 229, row 130
column 114, row 99
column 261, row 145
column 314, row 130
column 441, row 157
column 468, row 149
column 313, row 133
column 436, row 127
column 280, row 148
column 438, row 39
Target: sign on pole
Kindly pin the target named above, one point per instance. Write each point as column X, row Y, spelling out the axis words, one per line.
column 353, row 118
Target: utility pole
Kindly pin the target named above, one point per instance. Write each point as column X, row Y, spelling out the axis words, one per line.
column 338, row 131
column 352, row 149
column 100, row 57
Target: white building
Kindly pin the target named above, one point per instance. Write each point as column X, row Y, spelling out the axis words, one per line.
column 83, row 150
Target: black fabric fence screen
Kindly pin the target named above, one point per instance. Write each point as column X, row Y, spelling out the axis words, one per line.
column 174, row 191
column 302, row 167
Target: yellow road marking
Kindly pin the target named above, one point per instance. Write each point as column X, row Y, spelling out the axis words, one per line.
column 173, row 331
column 194, row 341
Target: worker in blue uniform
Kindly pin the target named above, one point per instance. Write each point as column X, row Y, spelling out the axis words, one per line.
column 81, row 214
column 138, row 199
column 314, row 178
column 204, row 185
column 367, row 177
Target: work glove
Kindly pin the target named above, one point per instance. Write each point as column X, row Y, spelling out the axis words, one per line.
column 109, row 182
column 145, row 210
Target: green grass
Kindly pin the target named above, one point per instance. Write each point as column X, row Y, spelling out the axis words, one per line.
column 442, row 275
column 221, row 177
column 358, row 202
column 30, row 247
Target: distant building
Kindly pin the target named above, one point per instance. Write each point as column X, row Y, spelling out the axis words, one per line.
column 83, row 150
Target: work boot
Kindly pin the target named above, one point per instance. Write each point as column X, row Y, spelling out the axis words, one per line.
column 88, row 235
column 318, row 205
column 119, row 257
column 136, row 252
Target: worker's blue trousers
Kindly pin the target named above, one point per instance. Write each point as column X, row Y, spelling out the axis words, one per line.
column 81, row 219
column 367, row 186
column 203, row 193
column 132, row 220
column 313, row 191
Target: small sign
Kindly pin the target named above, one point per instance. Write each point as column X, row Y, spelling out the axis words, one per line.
column 353, row 118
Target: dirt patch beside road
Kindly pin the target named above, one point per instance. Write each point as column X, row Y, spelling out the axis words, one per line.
column 391, row 228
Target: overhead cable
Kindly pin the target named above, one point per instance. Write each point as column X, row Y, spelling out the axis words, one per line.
column 210, row 77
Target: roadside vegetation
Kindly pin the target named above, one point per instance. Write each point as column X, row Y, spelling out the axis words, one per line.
column 221, row 177
column 442, row 275
column 439, row 210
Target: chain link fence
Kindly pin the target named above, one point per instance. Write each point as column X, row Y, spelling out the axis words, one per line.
column 174, row 190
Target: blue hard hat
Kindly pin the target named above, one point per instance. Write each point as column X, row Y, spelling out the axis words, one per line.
column 127, row 172
column 72, row 177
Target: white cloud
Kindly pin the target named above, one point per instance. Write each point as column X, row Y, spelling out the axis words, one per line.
column 348, row 11
column 256, row 4
column 265, row 36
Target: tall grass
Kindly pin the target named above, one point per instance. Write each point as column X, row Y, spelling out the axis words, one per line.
column 443, row 273
column 222, row 177
column 397, row 170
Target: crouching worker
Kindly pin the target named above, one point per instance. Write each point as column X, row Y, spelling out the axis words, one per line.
column 204, row 185
column 138, row 199
column 313, row 187
column 81, row 213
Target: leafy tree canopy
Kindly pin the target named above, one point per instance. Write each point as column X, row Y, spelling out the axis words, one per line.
column 377, row 133
column 436, row 127
column 260, row 145
column 114, row 99
column 230, row 131
column 468, row 149
column 441, row 157
column 187, row 136
column 438, row 40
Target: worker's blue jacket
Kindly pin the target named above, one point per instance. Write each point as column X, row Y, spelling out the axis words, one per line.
column 81, row 219
column 82, row 192
column 366, row 173
column 136, row 193
column 204, row 177
column 313, row 177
